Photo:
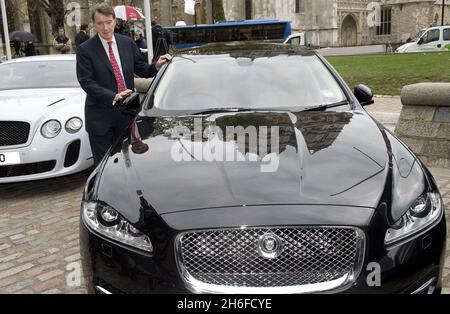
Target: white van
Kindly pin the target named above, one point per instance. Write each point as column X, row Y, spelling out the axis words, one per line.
column 432, row 39
column 297, row 39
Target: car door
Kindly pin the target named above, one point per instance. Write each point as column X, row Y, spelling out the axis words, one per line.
column 430, row 41
column 446, row 39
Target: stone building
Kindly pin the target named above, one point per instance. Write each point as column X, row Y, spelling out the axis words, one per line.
column 345, row 22
column 326, row 22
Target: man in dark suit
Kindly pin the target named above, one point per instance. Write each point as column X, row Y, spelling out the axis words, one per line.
column 82, row 36
column 106, row 65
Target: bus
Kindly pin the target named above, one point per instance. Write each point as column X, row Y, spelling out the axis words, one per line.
column 247, row 30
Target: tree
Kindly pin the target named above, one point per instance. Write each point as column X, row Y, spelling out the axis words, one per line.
column 218, row 12
column 54, row 8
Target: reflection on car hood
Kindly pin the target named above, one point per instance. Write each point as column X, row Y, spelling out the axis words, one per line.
column 325, row 158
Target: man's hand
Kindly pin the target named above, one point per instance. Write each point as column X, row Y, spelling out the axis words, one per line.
column 163, row 60
column 121, row 96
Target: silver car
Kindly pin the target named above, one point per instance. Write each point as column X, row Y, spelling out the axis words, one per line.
column 42, row 132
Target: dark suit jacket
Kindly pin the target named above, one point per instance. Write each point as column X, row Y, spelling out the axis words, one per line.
column 96, row 77
column 81, row 38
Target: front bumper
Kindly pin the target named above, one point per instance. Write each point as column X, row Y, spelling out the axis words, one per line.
column 412, row 268
column 47, row 158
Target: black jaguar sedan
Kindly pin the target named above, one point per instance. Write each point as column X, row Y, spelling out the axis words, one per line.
column 253, row 168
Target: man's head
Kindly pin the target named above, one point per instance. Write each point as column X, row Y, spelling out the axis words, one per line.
column 84, row 27
column 61, row 32
column 104, row 19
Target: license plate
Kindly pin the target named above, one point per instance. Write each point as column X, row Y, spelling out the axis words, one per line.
column 9, row 159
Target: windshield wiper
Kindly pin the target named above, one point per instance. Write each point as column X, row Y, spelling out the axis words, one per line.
column 220, row 110
column 325, row 107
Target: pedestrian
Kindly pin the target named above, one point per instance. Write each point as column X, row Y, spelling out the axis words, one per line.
column 29, row 50
column 17, row 48
column 82, row 36
column 62, row 43
column 106, row 65
column 140, row 40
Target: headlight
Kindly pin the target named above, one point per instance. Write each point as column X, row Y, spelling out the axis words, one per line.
column 108, row 222
column 74, row 125
column 51, row 129
column 423, row 214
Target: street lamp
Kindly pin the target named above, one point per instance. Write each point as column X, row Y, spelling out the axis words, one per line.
column 443, row 12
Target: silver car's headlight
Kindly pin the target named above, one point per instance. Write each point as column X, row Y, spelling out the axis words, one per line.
column 51, row 129
column 74, row 125
column 423, row 214
column 108, row 222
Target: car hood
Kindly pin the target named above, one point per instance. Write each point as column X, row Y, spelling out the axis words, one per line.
column 31, row 104
column 325, row 158
column 404, row 47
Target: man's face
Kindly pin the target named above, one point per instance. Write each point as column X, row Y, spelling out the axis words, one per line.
column 105, row 25
column 61, row 32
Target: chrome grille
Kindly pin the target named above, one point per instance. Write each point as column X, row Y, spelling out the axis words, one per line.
column 14, row 133
column 310, row 256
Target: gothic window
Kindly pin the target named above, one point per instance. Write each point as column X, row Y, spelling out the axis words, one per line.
column 385, row 19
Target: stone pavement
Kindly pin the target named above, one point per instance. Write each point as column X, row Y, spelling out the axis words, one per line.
column 39, row 226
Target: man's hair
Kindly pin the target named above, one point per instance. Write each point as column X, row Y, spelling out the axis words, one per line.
column 61, row 28
column 84, row 27
column 103, row 8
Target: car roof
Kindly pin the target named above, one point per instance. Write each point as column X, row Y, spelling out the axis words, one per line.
column 45, row 58
column 248, row 49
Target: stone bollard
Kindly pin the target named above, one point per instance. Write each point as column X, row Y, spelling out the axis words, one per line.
column 424, row 123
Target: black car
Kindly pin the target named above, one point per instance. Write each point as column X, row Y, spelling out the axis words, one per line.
column 253, row 168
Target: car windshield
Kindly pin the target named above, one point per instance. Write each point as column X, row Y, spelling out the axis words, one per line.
column 222, row 81
column 38, row 74
column 418, row 35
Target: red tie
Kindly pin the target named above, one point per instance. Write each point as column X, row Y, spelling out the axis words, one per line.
column 119, row 79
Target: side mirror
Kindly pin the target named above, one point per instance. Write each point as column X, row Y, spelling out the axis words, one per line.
column 364, row 95
column 420, row 42
column 131, row 104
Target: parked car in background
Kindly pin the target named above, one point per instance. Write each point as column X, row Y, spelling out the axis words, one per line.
column 319, row 195
column 297, row 39
column 433, row 39
column 42, row 132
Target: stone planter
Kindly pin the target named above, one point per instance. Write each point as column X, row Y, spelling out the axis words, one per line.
column 424, row 123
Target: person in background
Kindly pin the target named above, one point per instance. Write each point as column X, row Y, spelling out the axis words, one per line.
column 29, row 50
column 82, row 36
column 161, row 40
column 61, row 43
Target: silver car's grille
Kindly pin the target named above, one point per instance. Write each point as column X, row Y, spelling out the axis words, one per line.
column 14, row 133
column 306, row 256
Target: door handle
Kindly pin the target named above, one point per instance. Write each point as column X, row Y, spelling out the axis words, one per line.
column 439, row 46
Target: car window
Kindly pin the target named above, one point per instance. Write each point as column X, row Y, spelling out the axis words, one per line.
column 431, row 36
column 38, row 74
column 266, row 82
column 295, row 41
column 447, row 34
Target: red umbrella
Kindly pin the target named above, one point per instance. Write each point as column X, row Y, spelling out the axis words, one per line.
column 127, row 13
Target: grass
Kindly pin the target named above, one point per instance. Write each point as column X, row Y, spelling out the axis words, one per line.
column 387, row 74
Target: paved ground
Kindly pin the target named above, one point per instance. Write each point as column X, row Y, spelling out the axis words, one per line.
column 39, row 226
